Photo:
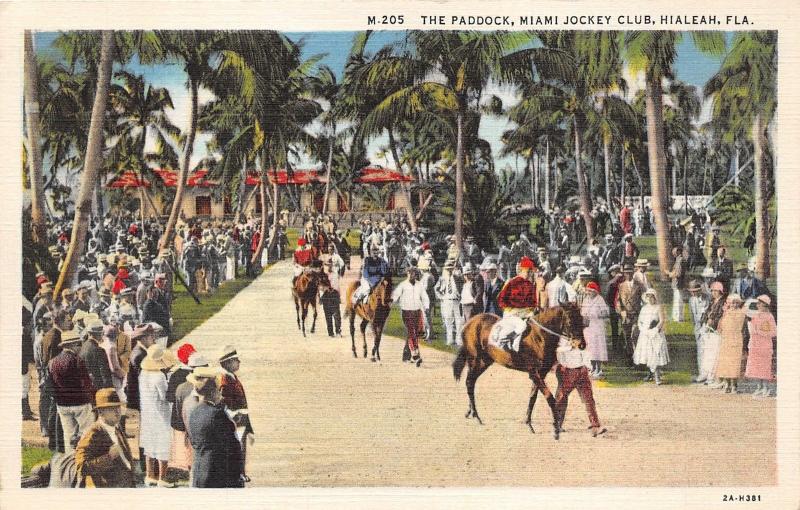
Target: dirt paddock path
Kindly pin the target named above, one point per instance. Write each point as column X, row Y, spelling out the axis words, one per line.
column 323, row 418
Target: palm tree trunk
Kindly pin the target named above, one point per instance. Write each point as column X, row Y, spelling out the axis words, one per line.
column 458, row 228
column 532, row 169
column 242, row 191
column 169, row 229
column 658, row 163
column 760, row 183
column 685, row 184
column 622, row 175
column 583, row 193
column 412, row 220
column 91, row 166
column 547, row 174
column 328, row 174
column 263, row 192
column 38, row 218
column 273, row 238
column 607, row 165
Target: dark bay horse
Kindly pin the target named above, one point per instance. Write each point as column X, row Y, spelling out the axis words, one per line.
column 536, row 356
column 374, row 310
column 304, row 292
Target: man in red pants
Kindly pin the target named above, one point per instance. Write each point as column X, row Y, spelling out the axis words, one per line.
column 573, row 373
column 412, row 298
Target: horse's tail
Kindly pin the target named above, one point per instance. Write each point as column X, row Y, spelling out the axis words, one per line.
column 460, row 362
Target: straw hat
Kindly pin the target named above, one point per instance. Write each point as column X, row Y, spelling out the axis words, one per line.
column 197, row 360
column 106, row 397
column 762, row 298
column 70, row 337
column 200, row 375
column 158, row 358
column 694, row 285
column 228, row 352
column 642, row 263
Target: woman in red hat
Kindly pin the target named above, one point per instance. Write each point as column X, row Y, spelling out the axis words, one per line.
column 595, row 312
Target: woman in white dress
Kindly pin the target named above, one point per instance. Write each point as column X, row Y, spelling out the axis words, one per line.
column 595, row 312
column 651, row 347
column 155, row 431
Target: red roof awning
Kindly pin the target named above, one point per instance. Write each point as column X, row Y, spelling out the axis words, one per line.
column 128, row 179
column 299, row 176
column 196, row 178
column 380, row 175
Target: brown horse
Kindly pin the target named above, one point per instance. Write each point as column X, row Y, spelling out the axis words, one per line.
column 374, row 310
column 304, row 292
column 536, row 356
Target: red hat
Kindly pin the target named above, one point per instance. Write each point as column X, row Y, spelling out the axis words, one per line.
column 593, row 286
column 425, row 246
column 184, row 351
column 526, row 263
column 301, row 242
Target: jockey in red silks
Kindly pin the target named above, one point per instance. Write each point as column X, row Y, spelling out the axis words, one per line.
column 517, row 299
column 303, row 258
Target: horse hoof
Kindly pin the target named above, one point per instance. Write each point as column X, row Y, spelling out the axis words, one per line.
column 355, row 355
column 469, row 413
column 480, row 422
column 373, row 359
column 555, row 435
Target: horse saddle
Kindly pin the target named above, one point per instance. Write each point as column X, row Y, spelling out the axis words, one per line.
column 507, row 333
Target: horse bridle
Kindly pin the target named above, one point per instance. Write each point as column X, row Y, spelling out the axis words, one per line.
column 548, row 330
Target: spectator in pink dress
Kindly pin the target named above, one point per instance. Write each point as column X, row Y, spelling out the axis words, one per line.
column 763, row 330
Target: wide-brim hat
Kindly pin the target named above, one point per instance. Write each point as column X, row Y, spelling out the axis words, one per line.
column 642, row 263
column 197, row 360
column 201, row 374
column 227, row 353
column 694, row 285
column 627, row 268
column 708, row 272
column 94, row 326
column 650, row 292
column 158, row 358
column 106, row 397
column 764, row 299
column 71, row 336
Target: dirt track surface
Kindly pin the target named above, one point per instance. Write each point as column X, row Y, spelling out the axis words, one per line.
column 323, row 418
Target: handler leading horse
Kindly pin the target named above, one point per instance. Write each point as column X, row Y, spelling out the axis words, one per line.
column 304, row 292
column 536, row 356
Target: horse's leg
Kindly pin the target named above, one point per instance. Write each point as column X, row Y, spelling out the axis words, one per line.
column 538, row 380
column 297, row 311
column 376, row 344
column 314, row 320
column 531, row 403
column 353, row 331
column 364, row 324
column 303, row 320
column 475, row 370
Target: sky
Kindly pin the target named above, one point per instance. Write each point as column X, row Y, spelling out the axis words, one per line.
column 691, row 66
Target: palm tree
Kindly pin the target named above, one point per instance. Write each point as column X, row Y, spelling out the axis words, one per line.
column 745, row 94
column 139, row 109
column 92, row 164
column 654, row 53
column 38, row 219
column 194, row 49
column 273, row 82
column 444, row 74
column 325, row 86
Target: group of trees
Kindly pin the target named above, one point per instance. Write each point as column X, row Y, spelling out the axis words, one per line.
column 573, row 125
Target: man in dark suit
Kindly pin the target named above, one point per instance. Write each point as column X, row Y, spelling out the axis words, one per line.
column 95, row 358
column 723, row 266
column 218, row 458
column 494, row 284
column 154, row 311
column 103, row 456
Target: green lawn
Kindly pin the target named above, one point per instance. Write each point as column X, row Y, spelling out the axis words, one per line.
column 32, row 455
column 187, row 314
